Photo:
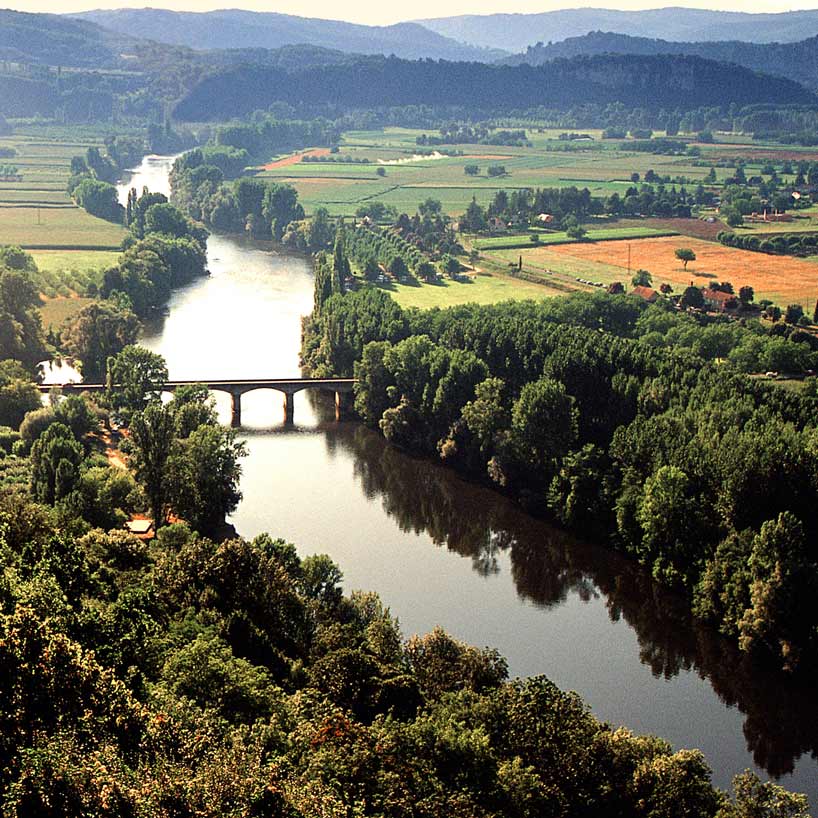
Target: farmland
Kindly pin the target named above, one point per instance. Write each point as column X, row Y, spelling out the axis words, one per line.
column 561, row 237
column 481, row 289
column 411, row 177
column 35, row 211
column 57, row 228
column 70, row 247
column 782, row 279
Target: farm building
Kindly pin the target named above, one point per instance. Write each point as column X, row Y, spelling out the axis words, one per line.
column 646, row 293
column 717, row 300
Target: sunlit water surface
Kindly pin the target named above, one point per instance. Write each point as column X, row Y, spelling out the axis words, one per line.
column 441, row 551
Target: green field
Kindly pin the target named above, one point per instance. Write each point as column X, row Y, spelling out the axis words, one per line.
column 36, row 210
column 483, row 289
column 67, row 273
column 560, row 237
column 57, row 228
column 603, row 166
column 410, row 177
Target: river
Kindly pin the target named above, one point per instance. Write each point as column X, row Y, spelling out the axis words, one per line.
column 441, row 551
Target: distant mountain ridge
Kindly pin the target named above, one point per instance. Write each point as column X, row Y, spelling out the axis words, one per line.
column 56, row 40
column 652, row 82
column 237, row 29
column 796, row 61
column 513, row 32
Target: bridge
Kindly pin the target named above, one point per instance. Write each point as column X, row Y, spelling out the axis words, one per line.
column 342, row 387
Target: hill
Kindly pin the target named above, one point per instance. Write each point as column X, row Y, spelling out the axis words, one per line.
column 796, row 61
column 514, row 32
column 652, row 82
column 55, row 40
column 236, row 29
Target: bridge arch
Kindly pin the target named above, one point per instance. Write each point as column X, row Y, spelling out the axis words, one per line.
column 342, row 387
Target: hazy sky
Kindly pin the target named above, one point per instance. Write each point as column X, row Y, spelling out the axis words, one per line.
column 378, row 13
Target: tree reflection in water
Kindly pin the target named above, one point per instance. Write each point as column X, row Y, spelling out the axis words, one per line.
column 548, row 565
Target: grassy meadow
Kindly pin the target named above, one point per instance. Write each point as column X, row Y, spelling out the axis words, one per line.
column 70, row 247
column 410, row 177
column 36, row 211
column 484, row 288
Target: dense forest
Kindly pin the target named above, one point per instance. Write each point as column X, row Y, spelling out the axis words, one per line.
column 652, row 82
column 796, row 61
column 620, row 420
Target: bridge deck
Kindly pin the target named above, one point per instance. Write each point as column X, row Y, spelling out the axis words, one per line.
column 226, row 385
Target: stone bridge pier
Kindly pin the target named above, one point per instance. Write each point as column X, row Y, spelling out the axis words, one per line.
column 342, row 387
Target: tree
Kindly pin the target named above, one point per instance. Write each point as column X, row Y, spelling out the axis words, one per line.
column 21, row 331
column 746, row 295
column 13, row 257
column 794, row 313
column 672, row 526
column 184, row 257
column 103, row 496
column 575, row 231
column 544, row 421
column 55, row 462
column 486, row 415
column 757, row 799
column 99, row 199
column 320, row 234
column 18, row 395
column 733, row 216
column 426, row 270
column 397, row 266
column 76, row 412
column 692, row 297
column 166, row 219
column 685, row 255
column 96, row 333
column 280, row 207
column 193, row 406
column 471, row 170
column 153, row 433
column 203, row 476
column 370, row 268
column 642, row 278
column 783, row 590
column 340, row 262
column 136, row 377
column 474, row 220
column 450, row 265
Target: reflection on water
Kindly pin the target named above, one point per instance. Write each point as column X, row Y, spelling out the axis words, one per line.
column 442, row 551
column 548, row 567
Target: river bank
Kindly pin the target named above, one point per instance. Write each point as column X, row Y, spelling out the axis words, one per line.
column 442, row 551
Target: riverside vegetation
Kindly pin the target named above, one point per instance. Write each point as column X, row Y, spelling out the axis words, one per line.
column 620, row 419
column 202, row 673
column 231, row 677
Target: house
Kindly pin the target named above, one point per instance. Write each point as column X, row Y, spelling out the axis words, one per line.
column 140, row 527
column 497, row 225
column 646, row 293
column 545, row 218
column 718, row 301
